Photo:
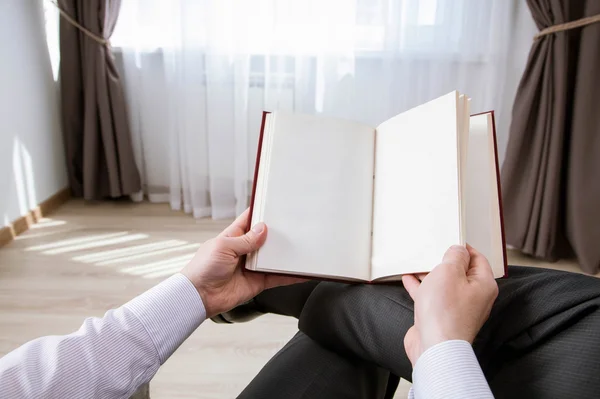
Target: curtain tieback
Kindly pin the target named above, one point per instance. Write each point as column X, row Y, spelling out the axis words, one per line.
column 578, row 23
column 71, row 20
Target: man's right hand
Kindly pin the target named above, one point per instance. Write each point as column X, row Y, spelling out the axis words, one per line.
column 451, row 302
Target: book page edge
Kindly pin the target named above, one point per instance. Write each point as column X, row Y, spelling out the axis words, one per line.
column 499, row 187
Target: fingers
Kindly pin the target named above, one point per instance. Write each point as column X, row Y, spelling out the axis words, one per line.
column 411, row 283
column 239, row 225
column 458, row 256
column 248, row 242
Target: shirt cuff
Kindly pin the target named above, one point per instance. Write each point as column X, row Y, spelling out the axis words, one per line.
column 449, row 370
column 170, row 312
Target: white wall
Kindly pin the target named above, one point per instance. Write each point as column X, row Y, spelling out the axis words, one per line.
column 32, row 165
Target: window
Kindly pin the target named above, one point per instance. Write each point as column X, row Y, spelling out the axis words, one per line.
column 307, row 27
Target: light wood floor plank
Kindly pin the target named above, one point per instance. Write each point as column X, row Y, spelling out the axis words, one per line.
column 88, row 258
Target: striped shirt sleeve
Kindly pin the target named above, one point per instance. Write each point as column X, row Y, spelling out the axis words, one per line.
column 107, row 357
column 449, row 370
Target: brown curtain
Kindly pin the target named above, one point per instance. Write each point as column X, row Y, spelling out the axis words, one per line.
column 100, row 158
column 551, row 174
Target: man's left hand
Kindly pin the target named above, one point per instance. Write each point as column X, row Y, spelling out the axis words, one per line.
column 215, row 271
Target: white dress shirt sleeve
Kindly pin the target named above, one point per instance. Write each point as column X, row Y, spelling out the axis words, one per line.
column 449, row 370
column 108, row 357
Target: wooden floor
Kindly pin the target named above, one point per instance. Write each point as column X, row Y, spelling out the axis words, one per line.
column 88, row 258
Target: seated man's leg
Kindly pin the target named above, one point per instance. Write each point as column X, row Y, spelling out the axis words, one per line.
column 303, row 369
column 366, row 322
column 543, row 336
column 541, row 317
column 287, row 300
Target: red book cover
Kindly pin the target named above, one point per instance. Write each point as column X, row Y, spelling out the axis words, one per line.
column 257, row 164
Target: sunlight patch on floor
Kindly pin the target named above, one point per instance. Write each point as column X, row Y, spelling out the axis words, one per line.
column 96, row 244
column 149, row 254
column 45, row 223
column 130, row 253
column 160, row 265
column 72, row 241
column 122, row 253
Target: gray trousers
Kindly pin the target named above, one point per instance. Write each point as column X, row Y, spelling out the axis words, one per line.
column 542, row 339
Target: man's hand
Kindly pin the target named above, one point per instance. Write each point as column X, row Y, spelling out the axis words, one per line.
column 451, row 302
column 214, row 270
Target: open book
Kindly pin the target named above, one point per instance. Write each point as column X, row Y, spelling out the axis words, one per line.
column 347, row 201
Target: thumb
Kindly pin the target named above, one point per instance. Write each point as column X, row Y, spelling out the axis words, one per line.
column 250, row 241
column 480, row 267
column 458, row 256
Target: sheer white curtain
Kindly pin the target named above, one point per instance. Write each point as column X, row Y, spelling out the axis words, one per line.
column 199, row 73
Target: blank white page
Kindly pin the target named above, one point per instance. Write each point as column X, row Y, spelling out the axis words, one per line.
column 483, row 230
column 316, row 197
column 416, row 195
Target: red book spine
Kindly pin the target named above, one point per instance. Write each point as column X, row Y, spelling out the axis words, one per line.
column 258, row 152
